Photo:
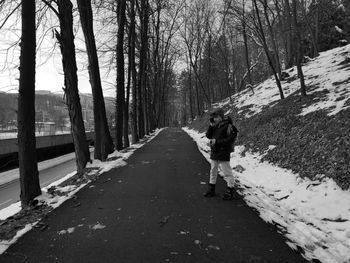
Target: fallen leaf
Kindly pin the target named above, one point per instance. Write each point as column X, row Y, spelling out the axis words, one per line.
column 164, row 221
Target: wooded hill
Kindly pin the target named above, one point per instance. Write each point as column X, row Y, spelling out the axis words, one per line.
column 311, row 135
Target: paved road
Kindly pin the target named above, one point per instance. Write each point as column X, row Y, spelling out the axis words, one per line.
column 152, row 210
column 9, row 193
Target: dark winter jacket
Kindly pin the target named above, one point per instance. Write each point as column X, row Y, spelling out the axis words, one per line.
column 224, row 133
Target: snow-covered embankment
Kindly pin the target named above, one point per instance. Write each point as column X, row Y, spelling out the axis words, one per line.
column 313, row 215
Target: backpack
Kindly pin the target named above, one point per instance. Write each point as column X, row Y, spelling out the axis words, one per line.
column 232, row 130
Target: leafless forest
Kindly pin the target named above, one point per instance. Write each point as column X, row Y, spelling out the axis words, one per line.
column 168, row 60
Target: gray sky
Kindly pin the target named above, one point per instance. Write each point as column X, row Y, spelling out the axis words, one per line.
column 49, row 73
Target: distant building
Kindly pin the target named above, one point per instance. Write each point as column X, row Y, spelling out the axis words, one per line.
column 45, row 128
column 43, row 92
column 11, row 125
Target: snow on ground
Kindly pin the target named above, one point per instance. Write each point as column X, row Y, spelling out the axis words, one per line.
column 313, row 215
column 70, row 230
column 97, row 226
column 4, row 244
column 330, row 71
column 118, row 159
column 10, row 211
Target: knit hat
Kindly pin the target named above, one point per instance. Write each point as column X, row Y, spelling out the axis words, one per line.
column 218, row 112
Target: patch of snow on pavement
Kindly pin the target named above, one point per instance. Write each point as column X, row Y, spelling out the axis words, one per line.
column 313, row 215
column 107, row 166
column 68, row 231
column 98, row 226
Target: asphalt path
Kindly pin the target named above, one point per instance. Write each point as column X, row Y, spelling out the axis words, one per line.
column 152, row 210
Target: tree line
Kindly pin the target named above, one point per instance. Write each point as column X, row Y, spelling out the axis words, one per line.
column 232, row 45
column 171, row 60
column 139, row 45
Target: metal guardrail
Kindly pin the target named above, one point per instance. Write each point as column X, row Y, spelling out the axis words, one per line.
column 8, row 146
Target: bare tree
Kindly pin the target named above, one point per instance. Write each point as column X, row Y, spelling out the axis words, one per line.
column 120, row 106
column 194, row 36
column 142, row 81
column 299, row 49
column 288, row 33
column 132, row 70
column 103, row 140
column 245, row 39
column 28, row 168
column 273, row 41
column 163, row 27
column 66, row 39
column 313, row 32
column 262, row 37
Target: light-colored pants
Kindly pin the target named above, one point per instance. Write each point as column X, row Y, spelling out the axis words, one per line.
column 226, row 170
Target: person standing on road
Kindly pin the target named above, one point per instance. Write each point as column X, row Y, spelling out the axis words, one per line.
column 222, row 134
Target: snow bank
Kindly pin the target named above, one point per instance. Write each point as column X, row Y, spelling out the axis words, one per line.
column 329, row 72
column 313, row 215
column 118, row 159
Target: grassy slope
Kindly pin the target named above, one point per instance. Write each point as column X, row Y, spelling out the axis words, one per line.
column 312, row 145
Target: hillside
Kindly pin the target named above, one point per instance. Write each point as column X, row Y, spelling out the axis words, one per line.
column 311, row 136
column 291, row 162
column 50, row 107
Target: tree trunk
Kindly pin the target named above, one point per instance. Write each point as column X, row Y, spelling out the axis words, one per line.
column 289, row 36
column 198, row 80
column 147, row 98
column 143, row 64
column 209, row 69
column 317, row 31
column 266, row 49
column 245, row 39
column 273, row 40
column 132, row 36
column 120, row 77
column 103, row 140
column 28, row 168
column 190, row 88
column 156, row 61
column 184, row 116
column 299, row 49
column 66, row 40
column 126, row 110
column 145, row 103
column 197, row 98
column 312, row 34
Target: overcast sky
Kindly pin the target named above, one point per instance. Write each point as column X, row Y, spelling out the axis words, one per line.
column 49, row 73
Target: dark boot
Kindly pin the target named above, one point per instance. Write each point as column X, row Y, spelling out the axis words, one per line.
column 211, row 191
column 229, row 194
